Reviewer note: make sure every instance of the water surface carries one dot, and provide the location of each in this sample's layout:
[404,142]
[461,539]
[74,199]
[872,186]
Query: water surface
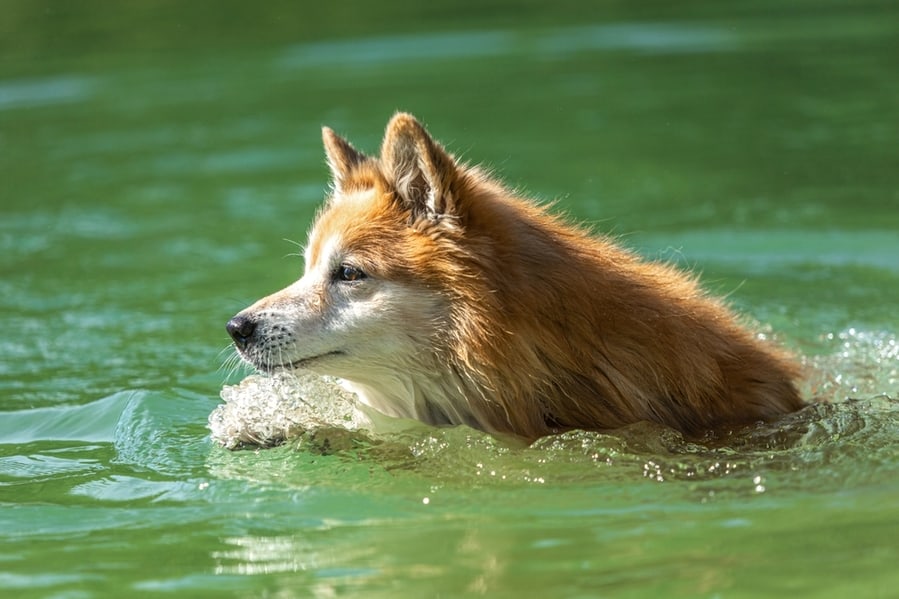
[155,158]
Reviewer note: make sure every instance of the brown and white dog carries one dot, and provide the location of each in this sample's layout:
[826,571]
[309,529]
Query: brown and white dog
[437,294]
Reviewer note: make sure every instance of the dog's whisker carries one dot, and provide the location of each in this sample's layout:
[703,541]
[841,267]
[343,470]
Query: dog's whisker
[235,364]
[226,348]
[300,246]
[226,362]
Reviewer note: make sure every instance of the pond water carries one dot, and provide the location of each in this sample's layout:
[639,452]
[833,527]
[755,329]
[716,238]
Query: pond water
[157,160]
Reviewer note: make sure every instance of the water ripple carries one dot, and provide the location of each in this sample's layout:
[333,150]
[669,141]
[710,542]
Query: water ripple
[93,422]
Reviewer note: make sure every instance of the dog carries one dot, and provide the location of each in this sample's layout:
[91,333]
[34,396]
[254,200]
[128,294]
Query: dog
[435,293]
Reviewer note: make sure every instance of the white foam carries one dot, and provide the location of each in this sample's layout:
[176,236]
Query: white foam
[264,411]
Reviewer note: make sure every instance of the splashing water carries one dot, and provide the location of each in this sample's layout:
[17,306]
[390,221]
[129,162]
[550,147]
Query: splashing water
[860,364]
[265,411]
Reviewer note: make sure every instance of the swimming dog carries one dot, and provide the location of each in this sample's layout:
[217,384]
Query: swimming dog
[436,293]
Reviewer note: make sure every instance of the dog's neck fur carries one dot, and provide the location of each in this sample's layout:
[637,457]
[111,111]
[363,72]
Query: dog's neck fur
[437,397]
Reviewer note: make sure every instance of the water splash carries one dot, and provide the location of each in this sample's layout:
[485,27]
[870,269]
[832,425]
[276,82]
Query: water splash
[265,411]
[857,364]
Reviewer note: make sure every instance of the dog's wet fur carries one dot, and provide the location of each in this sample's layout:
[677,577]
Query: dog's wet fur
[438,294]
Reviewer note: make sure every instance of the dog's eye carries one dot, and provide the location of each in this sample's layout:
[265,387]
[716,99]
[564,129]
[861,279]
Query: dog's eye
[345,272]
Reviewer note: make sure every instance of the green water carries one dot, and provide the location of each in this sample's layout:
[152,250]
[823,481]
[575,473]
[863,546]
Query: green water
[154,158]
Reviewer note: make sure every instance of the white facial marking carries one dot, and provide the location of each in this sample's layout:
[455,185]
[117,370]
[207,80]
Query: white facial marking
[328,258]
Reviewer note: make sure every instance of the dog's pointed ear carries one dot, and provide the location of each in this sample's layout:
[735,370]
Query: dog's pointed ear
[420,170]
[342,157]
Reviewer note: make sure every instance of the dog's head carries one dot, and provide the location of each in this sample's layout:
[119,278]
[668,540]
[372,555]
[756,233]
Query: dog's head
[382,263]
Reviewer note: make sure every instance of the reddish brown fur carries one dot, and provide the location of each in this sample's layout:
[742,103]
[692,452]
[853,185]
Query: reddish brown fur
[550,327]
[507,318]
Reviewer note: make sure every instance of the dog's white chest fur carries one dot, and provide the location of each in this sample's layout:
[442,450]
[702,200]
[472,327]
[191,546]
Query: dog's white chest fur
[435,398]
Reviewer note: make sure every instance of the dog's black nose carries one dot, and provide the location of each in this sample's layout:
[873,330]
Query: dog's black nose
[241,329]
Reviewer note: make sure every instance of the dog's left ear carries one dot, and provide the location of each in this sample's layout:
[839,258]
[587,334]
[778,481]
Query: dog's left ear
[342,157]
[420,170]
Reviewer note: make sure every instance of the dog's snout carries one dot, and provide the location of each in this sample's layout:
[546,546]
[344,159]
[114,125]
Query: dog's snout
[241,329]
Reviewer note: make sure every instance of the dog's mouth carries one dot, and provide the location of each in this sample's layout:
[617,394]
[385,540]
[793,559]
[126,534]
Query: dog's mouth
[296,364]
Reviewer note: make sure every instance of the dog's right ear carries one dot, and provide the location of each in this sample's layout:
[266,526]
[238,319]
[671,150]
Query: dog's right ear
[342,157]
[420,170]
